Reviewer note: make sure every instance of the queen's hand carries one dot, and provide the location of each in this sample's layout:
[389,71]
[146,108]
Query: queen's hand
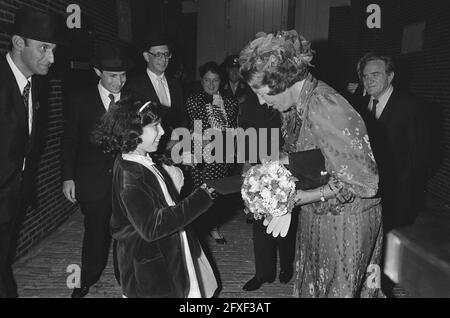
[300,197]
[278,225]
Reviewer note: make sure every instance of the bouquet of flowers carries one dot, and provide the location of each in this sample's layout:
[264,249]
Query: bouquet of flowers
[268,190]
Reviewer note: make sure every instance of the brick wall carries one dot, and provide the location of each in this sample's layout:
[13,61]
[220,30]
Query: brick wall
[425,73]
[52,208]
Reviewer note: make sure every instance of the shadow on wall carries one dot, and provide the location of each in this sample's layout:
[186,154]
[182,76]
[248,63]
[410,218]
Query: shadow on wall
[331,65]
[434,116]
[437,146]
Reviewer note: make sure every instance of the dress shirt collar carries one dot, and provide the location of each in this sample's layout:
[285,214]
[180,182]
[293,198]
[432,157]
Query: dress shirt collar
[382,101]
[154,78]
[104,95]
[234,86]
[20,78]
[138,158]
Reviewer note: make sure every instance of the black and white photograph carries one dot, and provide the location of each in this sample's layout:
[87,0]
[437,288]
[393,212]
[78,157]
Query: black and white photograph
[244,153]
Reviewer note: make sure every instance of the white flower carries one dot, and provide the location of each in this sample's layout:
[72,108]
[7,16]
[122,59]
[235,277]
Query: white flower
[265,193]
[274,204]
[268,190]
[284,183]
[254,185]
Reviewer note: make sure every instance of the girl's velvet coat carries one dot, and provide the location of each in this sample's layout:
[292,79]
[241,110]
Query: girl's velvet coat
[149,248]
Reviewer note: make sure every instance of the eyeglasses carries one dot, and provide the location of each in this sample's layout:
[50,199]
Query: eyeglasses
[160,55]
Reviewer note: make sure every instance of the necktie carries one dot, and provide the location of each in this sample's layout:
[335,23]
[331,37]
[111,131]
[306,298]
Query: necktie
[373,111]
[26,97]
[162,93]
[111,97]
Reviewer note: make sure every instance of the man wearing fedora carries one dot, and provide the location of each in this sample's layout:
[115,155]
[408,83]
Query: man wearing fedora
[86,170]
[155,85]
[33,41]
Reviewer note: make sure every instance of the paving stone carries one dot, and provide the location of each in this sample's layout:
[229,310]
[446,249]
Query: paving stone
[42,272]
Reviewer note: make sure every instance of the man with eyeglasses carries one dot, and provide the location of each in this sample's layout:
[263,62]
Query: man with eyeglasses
[34,36]
[156,86]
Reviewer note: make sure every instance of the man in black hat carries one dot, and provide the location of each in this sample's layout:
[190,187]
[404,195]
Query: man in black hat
[86,170]
[33,37]
[155,85]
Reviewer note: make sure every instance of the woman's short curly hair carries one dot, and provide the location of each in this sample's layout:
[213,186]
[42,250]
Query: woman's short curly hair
[122,125]
[210,66]
[278,60]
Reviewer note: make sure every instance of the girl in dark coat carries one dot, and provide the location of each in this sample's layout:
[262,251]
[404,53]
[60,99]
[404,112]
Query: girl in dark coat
[157,253]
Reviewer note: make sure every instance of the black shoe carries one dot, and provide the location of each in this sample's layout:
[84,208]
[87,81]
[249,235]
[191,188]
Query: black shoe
[220,241]
[80,292]
[285,276]
[254,284]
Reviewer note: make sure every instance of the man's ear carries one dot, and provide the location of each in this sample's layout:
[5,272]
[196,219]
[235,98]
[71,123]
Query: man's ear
[391,77]
[98,72]
[18,42]
[146,56]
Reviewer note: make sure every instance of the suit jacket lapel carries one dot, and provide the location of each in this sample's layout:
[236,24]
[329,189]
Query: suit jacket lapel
[35,105]
[148,86]
[389,108]
[170,86]
[17,99]
[20,107]
[99,109]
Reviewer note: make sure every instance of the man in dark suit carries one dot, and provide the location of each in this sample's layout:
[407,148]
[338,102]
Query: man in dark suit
[86,170]
[265,246]
[234,86]
[34,38]
[399,134]
[154,85]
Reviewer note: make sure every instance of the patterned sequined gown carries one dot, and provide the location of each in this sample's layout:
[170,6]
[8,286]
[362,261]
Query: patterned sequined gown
[338,245]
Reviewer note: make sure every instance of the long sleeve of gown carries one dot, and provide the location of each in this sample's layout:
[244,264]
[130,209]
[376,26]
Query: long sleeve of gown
[342,137]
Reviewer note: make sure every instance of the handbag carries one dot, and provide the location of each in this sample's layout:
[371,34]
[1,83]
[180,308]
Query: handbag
[309,168]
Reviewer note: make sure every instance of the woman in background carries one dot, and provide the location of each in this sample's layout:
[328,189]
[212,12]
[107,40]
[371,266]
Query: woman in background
[217,112]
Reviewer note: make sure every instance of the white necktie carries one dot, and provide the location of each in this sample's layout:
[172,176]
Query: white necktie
[161,91]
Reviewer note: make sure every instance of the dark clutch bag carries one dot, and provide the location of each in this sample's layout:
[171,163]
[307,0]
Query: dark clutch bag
[309,168]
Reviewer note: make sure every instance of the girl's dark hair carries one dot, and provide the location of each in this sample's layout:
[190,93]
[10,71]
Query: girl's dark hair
[121,126]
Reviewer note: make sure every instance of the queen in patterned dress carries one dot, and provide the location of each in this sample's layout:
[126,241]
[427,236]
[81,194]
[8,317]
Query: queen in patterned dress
[340,234]
[219,112]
